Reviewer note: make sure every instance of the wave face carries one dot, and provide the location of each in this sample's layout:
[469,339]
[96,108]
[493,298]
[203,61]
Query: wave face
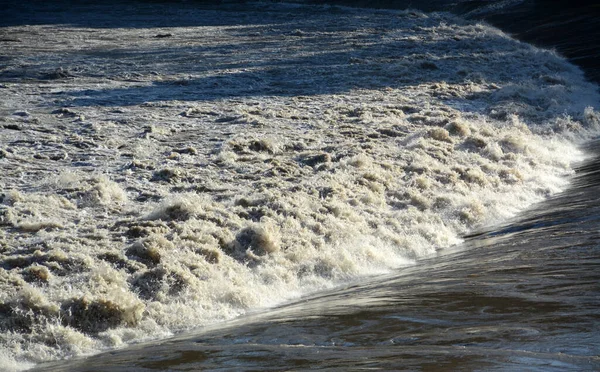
[162,177]
[571,28]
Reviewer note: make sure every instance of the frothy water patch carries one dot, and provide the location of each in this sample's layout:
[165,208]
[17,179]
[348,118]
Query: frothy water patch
[230,168]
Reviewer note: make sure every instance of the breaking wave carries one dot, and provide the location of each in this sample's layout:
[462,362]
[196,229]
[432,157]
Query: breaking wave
[161,179]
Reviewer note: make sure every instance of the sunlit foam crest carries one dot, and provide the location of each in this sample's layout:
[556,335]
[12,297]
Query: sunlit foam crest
[400,135]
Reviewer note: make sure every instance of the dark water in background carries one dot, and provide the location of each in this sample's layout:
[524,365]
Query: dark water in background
[523,297]
[572,28]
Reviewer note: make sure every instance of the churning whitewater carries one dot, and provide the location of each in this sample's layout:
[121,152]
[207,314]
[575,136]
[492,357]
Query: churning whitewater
[157,177]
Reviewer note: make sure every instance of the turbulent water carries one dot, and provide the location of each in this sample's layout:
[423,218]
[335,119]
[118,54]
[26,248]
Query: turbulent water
[521,297]
[168,167]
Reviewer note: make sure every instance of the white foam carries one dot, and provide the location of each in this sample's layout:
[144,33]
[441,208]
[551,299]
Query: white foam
[253,178]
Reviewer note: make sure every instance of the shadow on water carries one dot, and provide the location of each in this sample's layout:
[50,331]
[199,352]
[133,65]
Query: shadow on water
[257,72]
[274,59]
[524,300]
[280,60]
[570,27]
[117,14]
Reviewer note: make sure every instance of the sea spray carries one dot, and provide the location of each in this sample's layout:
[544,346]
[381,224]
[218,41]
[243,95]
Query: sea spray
[248,165]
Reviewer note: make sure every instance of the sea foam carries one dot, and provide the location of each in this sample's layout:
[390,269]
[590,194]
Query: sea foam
[232,168]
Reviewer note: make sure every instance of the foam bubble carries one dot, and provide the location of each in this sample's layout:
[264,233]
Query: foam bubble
[263,183]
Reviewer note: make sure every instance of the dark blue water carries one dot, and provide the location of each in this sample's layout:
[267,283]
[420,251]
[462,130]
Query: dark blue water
[572,28]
